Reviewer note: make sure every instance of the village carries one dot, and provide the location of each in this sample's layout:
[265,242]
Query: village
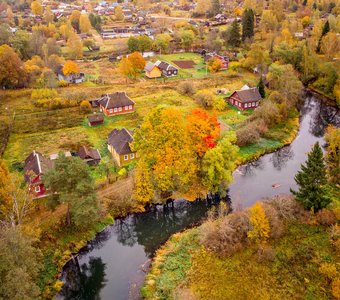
[110,108]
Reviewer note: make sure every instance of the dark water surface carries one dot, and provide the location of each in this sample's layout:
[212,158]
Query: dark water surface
[113,265]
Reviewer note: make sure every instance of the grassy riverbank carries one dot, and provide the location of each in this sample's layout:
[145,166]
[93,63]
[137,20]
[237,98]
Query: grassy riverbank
[300,264]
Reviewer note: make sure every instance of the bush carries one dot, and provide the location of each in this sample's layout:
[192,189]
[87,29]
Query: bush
[205,98]
[44,94]
[186,88]
[85,107]
[251,132]
[268,112]
[325,217]
[219,104]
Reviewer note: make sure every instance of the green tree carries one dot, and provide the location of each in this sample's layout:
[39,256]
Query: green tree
[333,154]
[133,44]
[219,163]
[5,33]
[187,37]
[71,183]
[234,34]
[162,42]
[144,44]
[96,22]
[215,8]
[20,263]
[261,88]
[313,190]
[247,24]
[325,30]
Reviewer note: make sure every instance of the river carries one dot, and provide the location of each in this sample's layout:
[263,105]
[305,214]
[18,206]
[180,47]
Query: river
[113,265]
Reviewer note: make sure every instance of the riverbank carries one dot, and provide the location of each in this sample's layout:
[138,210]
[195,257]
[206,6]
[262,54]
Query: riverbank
[301,262]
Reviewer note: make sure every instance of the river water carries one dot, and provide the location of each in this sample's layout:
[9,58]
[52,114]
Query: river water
[113,265]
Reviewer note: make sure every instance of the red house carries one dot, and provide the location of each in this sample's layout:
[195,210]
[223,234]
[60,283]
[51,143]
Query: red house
[35,166]
[245,98]
[116,104]
[223,58]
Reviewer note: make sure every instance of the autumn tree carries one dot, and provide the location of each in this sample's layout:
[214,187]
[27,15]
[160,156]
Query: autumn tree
[333,153]
[12,73]
[260,229]
[214,65]
[202,7]
[70,182]
[187,37]
[218,164]
[144,189]
[162,143]
[215,8]
[36,8]
[20,263]
[125,68]
[313,190]
[162,42]
[48,15]
[75,46]
[234,34]
[84,23]
[144,44]
[119,13]
[70,68]
[75,19]
[330,45]
[203,130]
[325,30]
[132,66]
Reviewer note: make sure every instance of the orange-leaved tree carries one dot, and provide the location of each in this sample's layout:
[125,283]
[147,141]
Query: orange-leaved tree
[70,68]
[203,130]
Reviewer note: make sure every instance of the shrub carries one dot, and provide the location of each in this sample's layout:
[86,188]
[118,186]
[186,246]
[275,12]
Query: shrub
[205,98]
[251,132]
[336,288]
[62,83]
[326,217]
[186,88]
[219,104]
[268,112]
[328,270]
[85,107]
[275,222]
[44,94]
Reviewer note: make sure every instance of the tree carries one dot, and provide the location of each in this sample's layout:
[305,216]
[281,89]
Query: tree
[218,164]
[215,8]
[330,45]
[20,263]
[214,65]
[137,61]
[70,68]
[84,23]
[133,44]
[260,228]
[126,69]
[70,182]
[187,37]
[336,92]
[119,13]
[261,88]
[12,73]
[247,24]
[132,66]
[234,34]
[48,15]
[96,22]
[325,30]
[5,33]
[203,131]
[258,57]
[144,44]
[313,191]
[74,19]
[144,189]
[202,7]
[36,8]
[333,154]
[75,46]
[162,42]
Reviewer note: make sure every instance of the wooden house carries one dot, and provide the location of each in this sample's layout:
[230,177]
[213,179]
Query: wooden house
[152,71]
[35,166]
[90,156]
[223,58]
[167,69]
[116,104]
[96,119]
[246,98]
[119,141]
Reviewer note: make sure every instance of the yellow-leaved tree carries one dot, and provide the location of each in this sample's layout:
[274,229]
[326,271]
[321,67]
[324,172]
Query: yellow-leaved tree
[36,8]
[260,224]
[70,68]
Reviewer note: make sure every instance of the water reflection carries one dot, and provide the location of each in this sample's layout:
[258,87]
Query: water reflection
[280,158]
[85,281]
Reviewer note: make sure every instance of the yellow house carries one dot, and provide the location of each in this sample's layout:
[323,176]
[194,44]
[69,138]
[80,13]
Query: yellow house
[152,71]
[119,146]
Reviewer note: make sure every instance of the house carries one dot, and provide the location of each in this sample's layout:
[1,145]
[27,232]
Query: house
[56,155]
[223,58]
[152,71]
[90,156]
[245,98]
[96,119]
[72,78]
[167,69]
[35,166]
[116,104]
[119,141]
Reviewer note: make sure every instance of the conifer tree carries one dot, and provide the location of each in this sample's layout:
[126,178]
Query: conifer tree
[248,24]
[325,30]
[234,34]
[260,86]
[313,190]
[215,8]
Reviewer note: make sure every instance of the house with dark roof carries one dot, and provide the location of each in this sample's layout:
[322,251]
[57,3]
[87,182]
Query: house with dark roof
[116,104]
[245,98]
[223,58]
[96,119]
[35,166]
[90,156]
[152,71]
[167,69]
[119,141]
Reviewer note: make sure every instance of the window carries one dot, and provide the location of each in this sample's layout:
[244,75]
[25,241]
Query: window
[110,111]
[126,107]
[115,109]
[130,107]
[246,105]
[132,156]
[253,104]
[126,157]
[37,188]
[256,104]
[119,109]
